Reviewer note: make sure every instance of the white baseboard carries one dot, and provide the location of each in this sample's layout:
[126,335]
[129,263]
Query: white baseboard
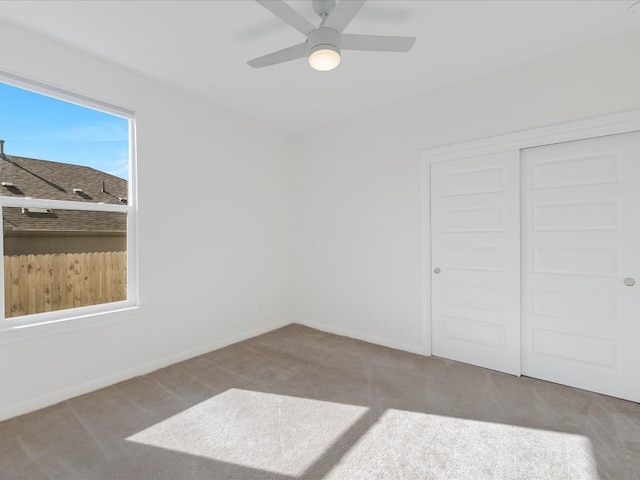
[106,381]
[362,336]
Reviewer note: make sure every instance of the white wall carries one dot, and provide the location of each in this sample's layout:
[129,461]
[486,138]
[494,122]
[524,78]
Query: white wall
[358,180]
[215,248]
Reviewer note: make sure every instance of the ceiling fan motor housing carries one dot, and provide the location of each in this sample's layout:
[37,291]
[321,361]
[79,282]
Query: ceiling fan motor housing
[323,38]
[323,7]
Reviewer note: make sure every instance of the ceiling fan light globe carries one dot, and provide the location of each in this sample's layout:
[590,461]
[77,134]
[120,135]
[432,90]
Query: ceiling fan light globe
[324,58]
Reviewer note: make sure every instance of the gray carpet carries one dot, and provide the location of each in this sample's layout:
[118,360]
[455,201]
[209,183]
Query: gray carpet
[301,404]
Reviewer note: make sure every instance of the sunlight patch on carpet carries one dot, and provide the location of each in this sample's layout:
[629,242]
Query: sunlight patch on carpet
[406,444]
[274,433]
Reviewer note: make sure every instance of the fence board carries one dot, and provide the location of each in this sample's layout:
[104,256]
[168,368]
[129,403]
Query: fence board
[94,279]
[122,278]
[15,281]
[47,281]
[38,280]
[103,278]
[56,287]
[38,283]
[31,284]
[7,292]
[62,276]
[108,286]
[85,269]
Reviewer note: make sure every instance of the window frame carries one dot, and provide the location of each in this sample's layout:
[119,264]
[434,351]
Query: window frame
[46,323]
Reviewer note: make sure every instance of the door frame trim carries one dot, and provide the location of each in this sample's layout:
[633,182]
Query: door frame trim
[612,124]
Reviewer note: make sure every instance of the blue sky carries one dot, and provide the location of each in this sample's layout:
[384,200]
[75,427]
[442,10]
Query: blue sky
[42,127]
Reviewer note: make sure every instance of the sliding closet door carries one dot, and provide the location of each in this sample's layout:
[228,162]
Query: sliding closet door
[581,262]
[475,261]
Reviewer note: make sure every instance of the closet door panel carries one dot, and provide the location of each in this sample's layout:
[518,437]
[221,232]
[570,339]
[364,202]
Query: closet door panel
[475,261]
[581,257]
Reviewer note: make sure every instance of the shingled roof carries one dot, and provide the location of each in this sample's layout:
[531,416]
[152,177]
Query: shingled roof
[35,178]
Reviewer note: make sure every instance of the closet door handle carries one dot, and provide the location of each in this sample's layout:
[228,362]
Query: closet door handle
[436,270]
[629,282]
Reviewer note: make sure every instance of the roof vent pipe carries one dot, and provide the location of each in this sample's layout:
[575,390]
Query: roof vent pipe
[2,155]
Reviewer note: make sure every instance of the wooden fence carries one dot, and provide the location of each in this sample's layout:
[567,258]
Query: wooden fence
[45,283]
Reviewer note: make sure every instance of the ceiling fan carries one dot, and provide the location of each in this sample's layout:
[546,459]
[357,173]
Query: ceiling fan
[324,43]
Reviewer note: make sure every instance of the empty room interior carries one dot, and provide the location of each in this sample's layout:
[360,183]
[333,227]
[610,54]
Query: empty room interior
[318,239]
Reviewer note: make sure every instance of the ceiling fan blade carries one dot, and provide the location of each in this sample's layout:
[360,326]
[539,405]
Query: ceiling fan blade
[377,43]
[343,13]
[281,56]
[282,10]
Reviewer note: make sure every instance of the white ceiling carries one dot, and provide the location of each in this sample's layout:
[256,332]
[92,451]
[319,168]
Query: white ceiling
[202,46]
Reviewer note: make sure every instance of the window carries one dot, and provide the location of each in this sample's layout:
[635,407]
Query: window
[67,196]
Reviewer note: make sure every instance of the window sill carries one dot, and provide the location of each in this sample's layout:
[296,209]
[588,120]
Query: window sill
[24,333]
